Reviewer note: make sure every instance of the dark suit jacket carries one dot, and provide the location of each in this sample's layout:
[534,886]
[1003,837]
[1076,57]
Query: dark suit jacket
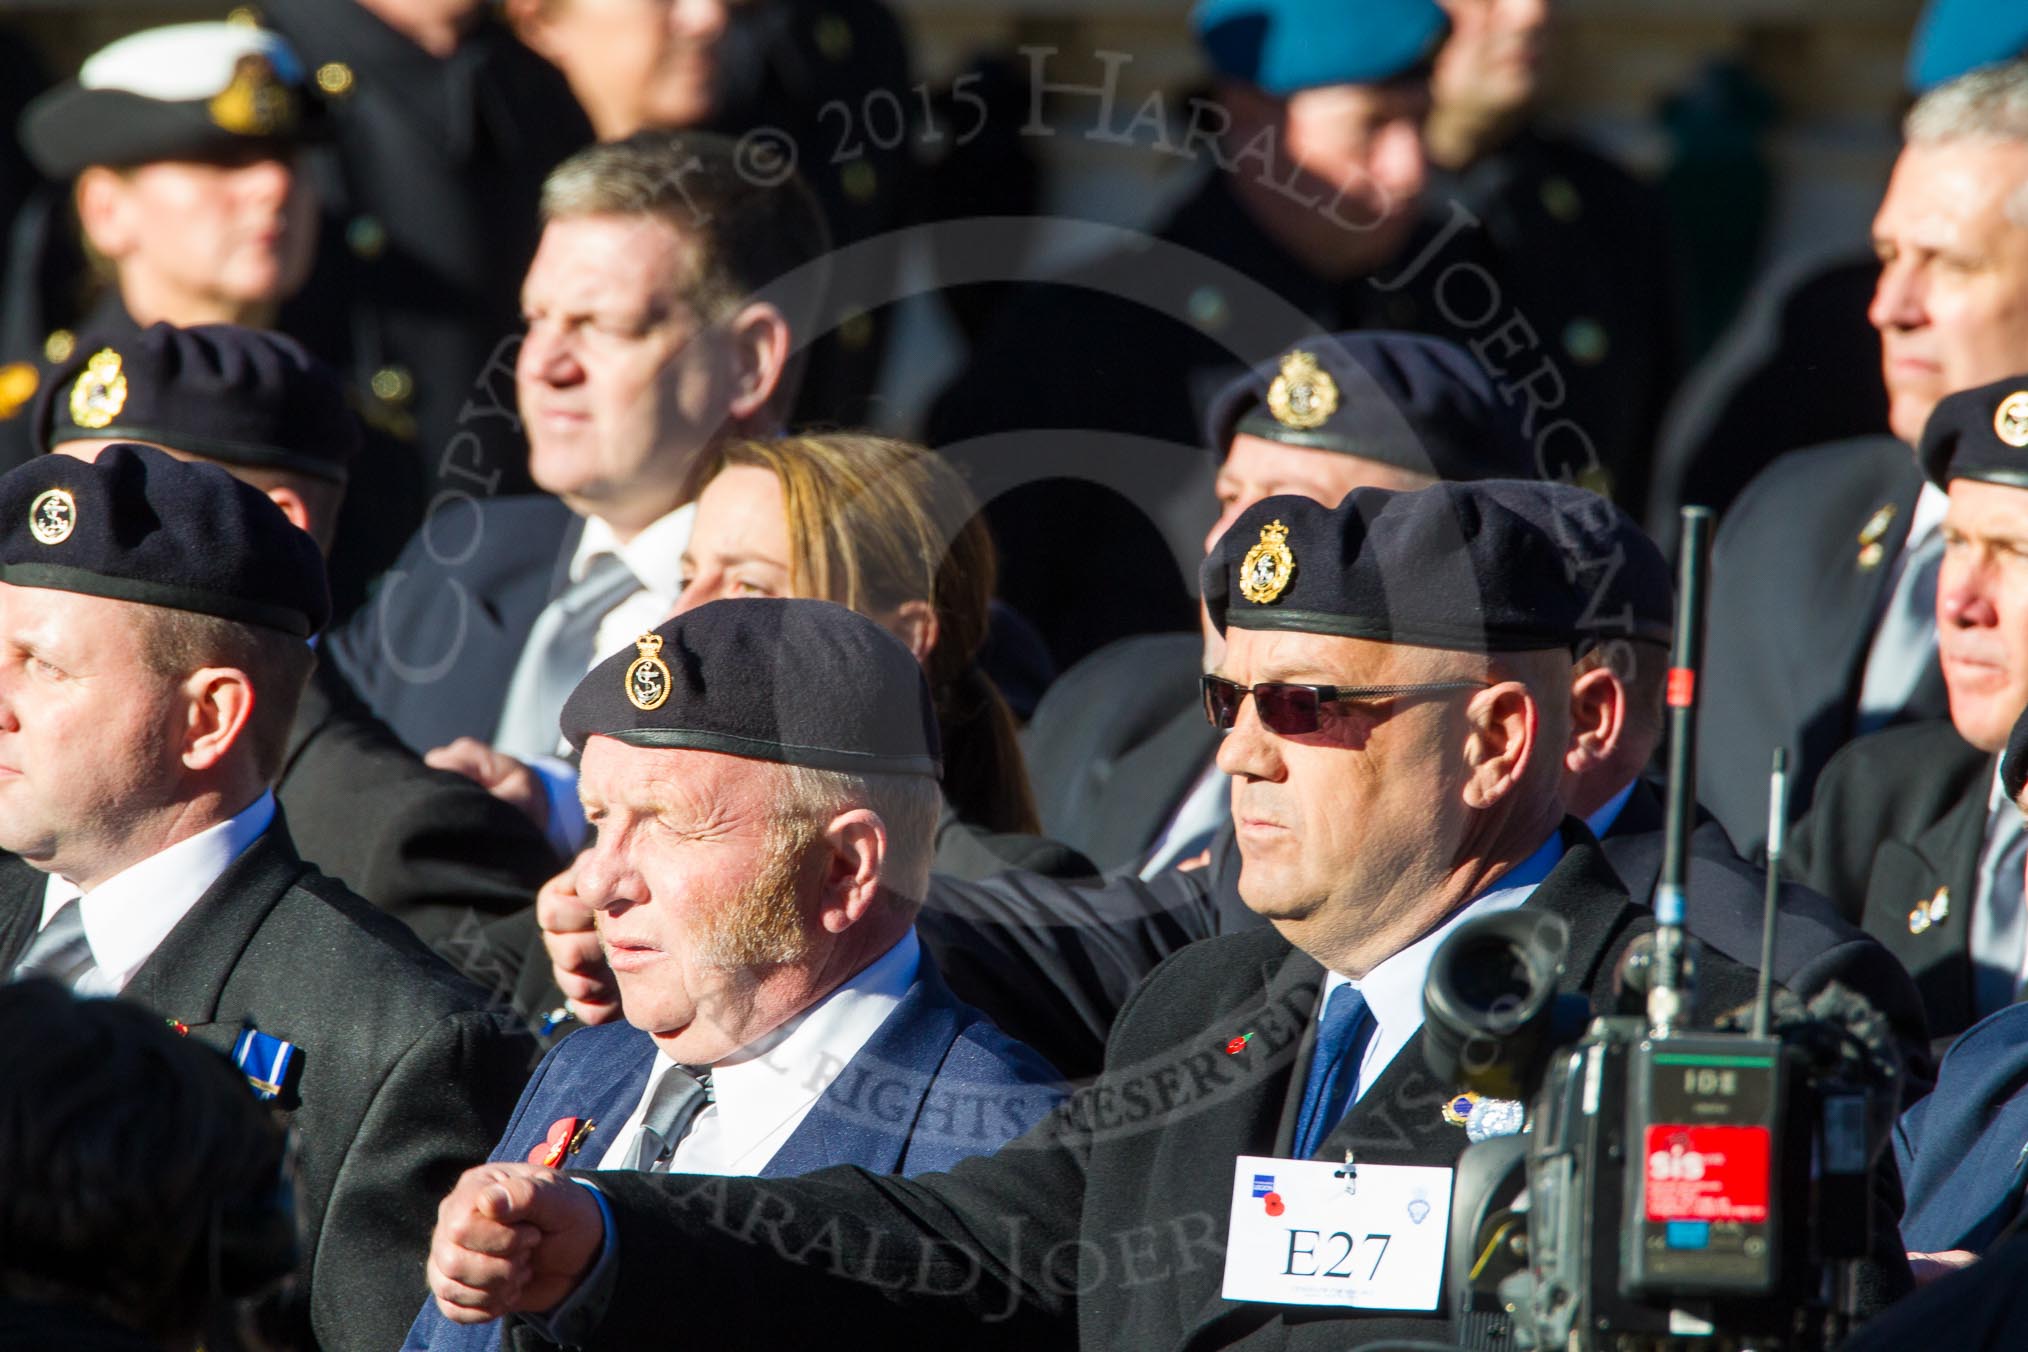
[434,651]
[406,1078]
[429,847]
[1117,743]
[1052,963]
[1136,1168]
[909,1103]
[1960,1149]
[1792,612]
[1899,814]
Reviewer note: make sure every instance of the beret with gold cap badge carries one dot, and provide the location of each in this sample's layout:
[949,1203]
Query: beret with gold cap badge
[1498,565]
[1980,433]
[140,525]
[790,680]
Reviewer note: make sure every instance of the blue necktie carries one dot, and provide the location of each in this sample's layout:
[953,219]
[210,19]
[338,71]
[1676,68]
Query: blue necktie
[1334,1068]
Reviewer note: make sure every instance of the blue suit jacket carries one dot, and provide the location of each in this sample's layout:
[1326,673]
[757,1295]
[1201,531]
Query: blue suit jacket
[433,650]
[1959,1149]
[936,1083]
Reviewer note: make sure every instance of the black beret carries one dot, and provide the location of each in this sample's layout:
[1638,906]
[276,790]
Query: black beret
[1500,565]
[1402,399]
[2014,761]
[796,681]
[140,525]
[186,91]
[1979,433]
[237,395]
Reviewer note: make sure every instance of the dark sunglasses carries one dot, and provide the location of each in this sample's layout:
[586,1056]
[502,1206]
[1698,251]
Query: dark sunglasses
[1291,709]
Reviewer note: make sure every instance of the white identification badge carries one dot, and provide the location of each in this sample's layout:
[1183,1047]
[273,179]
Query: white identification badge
[1309,1232]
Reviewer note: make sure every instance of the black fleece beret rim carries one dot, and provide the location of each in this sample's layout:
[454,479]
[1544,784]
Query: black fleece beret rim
[63,577]
[782,753]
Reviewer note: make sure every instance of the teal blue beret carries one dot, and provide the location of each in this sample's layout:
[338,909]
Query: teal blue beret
[1956,36]
[1283,46]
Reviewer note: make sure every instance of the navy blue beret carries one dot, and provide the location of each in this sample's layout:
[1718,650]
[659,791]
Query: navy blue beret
[140,525]
[1956,36]
[1403,399]
[1284,46]
[796,681]
[2014,761]
[1500,565]
[1980,433]
[241,396]
[185,91]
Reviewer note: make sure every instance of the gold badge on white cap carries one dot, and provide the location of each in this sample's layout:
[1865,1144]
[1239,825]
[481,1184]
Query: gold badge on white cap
[1303,395]
[256,103]
[2010,420]
[52,516]
[1265,571]
[648,680]
[100,391]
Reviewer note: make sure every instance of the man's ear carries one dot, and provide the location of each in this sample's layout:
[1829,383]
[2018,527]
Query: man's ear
[1504,722]
[104,212]
[761,345]
[853,867]
[1598,720]
[220,705]
[293,507]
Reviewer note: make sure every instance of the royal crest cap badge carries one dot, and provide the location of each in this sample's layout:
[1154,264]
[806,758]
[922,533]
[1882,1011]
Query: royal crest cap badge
[647,675]
[52,516]
[1303,395]
[2010,420]
[1265,571]
[99,392]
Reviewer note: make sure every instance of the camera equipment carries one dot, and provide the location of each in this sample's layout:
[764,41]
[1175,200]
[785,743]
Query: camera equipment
[1678,1188]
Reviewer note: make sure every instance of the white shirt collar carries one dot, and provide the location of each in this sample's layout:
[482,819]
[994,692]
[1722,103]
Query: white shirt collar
[1927,516]
[654,557]
[127,916]
[763,1091]
[1393,989]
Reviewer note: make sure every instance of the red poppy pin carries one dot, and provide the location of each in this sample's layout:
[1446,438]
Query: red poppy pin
[566,1138]
[1238,1044]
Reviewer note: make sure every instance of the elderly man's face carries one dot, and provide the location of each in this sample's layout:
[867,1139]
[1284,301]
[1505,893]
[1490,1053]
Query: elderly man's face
[90,738]
[1335,826]
[1952,303]
[620,382]
[695,889]
[1982,610]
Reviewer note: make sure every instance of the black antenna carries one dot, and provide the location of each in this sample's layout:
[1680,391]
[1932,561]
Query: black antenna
[1670,995]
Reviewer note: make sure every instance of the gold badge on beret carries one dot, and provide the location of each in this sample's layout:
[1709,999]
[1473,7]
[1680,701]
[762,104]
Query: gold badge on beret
[256,103]
[1265,571]
[100,391]
[647,677]
[52,516]
[1303,395]
[2010,420]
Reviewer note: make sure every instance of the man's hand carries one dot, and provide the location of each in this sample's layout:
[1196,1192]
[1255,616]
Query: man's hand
[575,958]
[497,773]
[1927,1267]
[511,1238]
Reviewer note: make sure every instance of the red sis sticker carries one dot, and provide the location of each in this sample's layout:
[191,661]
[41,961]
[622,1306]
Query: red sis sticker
[1708,1173]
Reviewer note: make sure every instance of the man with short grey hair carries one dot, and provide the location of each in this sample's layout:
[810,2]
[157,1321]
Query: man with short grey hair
[662,312]
[1824,573]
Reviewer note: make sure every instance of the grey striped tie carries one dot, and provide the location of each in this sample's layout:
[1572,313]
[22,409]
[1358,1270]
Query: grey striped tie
[559,651]
[679,1096]
[61,951]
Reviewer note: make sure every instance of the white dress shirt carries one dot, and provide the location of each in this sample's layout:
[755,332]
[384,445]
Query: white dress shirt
[654,557]
[127,916]
[764,1090]
[1393,989]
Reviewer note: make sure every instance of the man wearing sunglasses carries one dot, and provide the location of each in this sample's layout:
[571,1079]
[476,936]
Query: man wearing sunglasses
[1368,831]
